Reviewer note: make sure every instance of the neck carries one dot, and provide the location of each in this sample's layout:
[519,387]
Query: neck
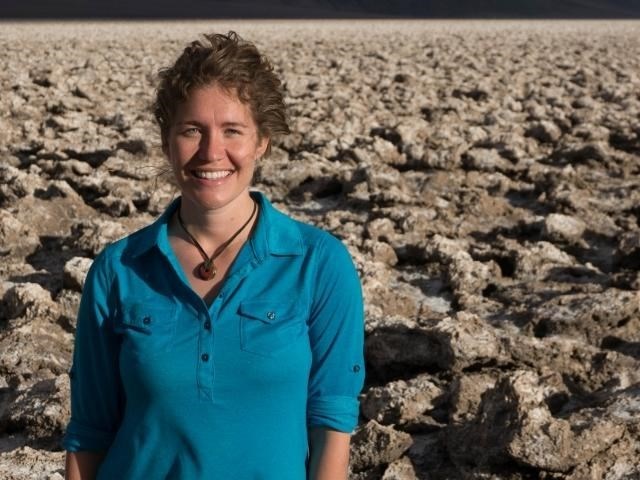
[214,226]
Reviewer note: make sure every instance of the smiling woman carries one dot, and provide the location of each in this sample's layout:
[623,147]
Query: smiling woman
[225,340]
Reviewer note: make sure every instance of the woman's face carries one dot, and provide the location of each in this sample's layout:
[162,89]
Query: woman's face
[212,146]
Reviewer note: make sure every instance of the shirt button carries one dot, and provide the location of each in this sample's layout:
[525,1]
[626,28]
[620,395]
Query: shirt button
[271,315]
[146,320]
[207,325]
[205,357]
[356,368]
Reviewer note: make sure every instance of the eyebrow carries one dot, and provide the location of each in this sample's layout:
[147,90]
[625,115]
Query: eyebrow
[224,124]
[189,122]
[234,124]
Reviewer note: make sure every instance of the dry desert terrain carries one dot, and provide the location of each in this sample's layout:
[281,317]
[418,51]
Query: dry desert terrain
[484,175]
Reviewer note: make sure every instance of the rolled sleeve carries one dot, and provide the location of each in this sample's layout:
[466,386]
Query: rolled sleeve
[96,392]
[80,437]
[336,333]
[337,413]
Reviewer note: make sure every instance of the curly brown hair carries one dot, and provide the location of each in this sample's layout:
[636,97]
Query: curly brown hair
[232,63]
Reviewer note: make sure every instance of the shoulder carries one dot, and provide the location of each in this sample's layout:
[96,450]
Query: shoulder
[115,254]
[141,240]
[125,246]
[314,239]
[323,242]
[328,256]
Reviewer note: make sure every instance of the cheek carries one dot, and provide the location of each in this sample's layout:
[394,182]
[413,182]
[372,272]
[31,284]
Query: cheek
[242,151]
[181,152]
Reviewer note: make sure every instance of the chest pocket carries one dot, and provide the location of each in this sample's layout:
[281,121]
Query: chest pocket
[268,327]
[147,328]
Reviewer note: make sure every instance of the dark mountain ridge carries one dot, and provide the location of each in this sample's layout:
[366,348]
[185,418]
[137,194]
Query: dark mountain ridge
[199,9]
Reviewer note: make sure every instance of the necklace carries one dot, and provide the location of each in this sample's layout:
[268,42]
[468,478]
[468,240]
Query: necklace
[207,269]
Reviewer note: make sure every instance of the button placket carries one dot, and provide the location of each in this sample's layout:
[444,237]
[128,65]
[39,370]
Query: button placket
[205,368]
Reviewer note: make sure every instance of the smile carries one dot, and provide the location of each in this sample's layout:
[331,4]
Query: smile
[212,175]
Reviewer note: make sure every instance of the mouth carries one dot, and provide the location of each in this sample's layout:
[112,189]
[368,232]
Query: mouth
[211,174]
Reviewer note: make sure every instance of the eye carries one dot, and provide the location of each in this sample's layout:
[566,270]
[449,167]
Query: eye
[190,132]
[232,132]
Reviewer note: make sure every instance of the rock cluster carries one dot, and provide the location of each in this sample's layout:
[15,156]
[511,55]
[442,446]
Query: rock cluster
[485,177]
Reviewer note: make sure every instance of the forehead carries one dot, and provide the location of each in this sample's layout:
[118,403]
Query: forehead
[211,101]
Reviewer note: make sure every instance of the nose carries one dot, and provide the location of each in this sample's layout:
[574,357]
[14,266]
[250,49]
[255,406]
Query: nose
[212,147]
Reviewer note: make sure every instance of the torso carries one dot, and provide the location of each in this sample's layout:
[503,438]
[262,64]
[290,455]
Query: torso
[206,383]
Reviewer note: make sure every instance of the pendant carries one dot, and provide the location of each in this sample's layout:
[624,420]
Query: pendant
[207,270]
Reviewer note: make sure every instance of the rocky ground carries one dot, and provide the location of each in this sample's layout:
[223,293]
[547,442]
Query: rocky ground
[485,176]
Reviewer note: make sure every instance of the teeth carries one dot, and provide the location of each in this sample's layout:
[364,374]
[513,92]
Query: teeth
[209,175]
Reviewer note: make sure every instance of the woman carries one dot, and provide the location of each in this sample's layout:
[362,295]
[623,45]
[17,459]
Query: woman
[223,341]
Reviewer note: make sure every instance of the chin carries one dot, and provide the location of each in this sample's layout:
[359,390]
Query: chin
[214,202]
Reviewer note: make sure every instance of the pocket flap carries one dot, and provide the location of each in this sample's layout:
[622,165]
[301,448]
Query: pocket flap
[268,311]
[148,317]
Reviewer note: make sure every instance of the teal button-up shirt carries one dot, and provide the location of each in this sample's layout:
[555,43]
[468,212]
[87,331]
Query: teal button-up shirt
[173,388]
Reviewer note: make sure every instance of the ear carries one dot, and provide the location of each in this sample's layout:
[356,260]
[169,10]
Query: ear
[263,143]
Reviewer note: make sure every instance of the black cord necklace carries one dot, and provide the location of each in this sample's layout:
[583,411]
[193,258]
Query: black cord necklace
[207,269]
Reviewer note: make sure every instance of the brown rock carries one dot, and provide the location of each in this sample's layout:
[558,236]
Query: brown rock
[401,401]
[544,131]
[589,316]
[401,469]
[42,411]
[381,252]
[16,238]
[452,344]
[487,160]
[392,296]
[374,444]
[15,184]
[515,423]
[534,260]
[465,395]
[93,235]
[466,275]
[75,272]
[628,252]
[28,299]
[387,152]
[381,229]
[563,228]
[68,301]
[30,463]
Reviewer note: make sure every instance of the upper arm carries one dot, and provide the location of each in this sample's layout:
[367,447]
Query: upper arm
[336,332]
[96,394]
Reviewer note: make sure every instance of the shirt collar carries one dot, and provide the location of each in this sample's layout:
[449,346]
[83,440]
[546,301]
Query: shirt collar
[274,233]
